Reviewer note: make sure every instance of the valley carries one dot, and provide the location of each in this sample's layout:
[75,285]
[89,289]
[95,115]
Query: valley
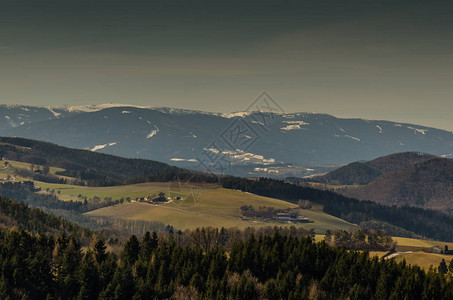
[192,205]
[217,206]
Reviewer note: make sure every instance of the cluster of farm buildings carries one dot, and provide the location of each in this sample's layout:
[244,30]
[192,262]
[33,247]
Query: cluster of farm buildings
[276,215]
[155,199]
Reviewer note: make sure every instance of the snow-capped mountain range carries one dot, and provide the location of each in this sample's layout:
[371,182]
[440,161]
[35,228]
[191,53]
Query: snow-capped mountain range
[243,143]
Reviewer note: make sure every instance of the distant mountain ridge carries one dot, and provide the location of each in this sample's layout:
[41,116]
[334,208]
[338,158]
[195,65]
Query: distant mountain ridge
[288,144]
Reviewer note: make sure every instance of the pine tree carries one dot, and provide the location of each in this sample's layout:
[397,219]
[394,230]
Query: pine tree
[88,278]
[99,248]
[131,250]
[149,244]
[443,267]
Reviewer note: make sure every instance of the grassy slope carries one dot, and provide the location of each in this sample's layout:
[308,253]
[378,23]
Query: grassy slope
[407,242]
[13,165]
[71,192]
[218,207]
[424,260]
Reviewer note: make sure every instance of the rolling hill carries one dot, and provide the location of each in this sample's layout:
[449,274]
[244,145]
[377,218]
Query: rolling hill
[428,184]
[361,173]
[218,207]
[87,166]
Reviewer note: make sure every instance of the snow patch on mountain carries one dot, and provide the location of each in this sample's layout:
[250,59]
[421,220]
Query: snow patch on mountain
[57,115]
[184,159]
[258,122]
[294,125]
[11,122]
[347,136]
[153,133]
[417,130]
[240,114]
[244,157]
[99,147]
[191,135]
[352,137]
[267,170]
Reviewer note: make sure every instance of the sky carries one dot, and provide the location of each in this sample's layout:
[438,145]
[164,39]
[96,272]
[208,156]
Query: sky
[385,60]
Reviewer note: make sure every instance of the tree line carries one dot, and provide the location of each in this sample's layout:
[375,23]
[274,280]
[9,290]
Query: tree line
[423,222]
[26,191]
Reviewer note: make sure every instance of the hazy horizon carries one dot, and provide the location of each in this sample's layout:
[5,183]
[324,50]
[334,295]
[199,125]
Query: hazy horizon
[385,60]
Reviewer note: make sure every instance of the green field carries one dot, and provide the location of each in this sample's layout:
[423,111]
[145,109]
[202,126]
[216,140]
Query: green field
[218,207]
[15,165]
[71,192]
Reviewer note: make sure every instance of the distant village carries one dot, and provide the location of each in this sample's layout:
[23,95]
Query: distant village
[270,213]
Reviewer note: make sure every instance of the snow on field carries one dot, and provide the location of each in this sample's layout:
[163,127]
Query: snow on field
[99,147]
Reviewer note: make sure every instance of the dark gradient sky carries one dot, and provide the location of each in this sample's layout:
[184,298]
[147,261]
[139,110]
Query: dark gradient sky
[374,59]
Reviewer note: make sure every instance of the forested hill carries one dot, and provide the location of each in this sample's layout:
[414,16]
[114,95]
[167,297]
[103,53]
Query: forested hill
[88,166]
[428,184]
[14,214]
[360,173]
[428,223]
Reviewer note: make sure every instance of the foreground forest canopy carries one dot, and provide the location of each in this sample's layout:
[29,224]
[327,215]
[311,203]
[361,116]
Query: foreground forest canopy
[206,264]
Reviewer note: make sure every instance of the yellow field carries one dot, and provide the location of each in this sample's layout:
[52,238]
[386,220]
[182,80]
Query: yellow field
[218,207]
[424,260]
[420,243]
